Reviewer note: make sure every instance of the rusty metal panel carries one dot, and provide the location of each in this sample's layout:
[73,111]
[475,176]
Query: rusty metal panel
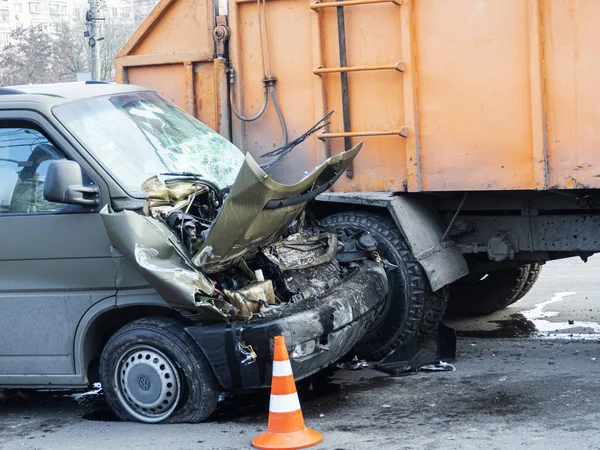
[191,87]
[376,97]
[572,43]
[173,52]
[300,42]
[474,94]
[205,95]
[471,94]
[174,26]
[289,31]
[167,80]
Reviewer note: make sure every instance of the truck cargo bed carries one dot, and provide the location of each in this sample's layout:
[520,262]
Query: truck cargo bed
[447,95]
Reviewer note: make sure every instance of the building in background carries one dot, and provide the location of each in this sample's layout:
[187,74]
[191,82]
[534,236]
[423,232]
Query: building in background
[50,14]
[47,14]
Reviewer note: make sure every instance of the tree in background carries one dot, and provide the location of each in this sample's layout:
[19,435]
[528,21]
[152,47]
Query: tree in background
[28,58]
[35,55]
[115,36]
[43,55]
[71,54]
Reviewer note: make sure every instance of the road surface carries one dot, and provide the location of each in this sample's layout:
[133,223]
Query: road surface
[525,378]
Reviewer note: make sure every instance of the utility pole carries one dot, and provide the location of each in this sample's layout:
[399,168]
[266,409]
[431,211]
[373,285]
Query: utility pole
[93,20]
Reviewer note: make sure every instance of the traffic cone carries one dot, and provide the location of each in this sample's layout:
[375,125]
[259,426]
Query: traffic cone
[286,429]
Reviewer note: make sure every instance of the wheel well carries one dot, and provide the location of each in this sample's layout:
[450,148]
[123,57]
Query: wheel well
[419,222]
[105,325]
[323,209]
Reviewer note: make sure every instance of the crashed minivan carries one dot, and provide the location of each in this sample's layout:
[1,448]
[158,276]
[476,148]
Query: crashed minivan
[143,250]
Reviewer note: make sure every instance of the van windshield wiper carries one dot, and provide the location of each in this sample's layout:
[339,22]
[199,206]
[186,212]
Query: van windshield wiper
[183,174]
[281,152]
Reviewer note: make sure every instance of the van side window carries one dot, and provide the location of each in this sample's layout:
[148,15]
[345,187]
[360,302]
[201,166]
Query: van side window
[25,155]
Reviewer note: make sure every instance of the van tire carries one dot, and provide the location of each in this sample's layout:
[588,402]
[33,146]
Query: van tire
[403,313]
[157,350]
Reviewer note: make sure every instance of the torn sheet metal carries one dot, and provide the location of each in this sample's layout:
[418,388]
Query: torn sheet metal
[175,196]
[155,251]
[244,223]
[301,251]
[252,299]
[210,309]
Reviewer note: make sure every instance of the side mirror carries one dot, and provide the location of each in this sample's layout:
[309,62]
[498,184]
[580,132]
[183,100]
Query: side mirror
[64,184]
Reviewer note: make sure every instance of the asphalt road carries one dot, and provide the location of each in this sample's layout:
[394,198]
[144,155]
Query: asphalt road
[525,378]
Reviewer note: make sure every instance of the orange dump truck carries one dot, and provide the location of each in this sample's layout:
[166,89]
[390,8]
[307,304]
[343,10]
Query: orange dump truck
[480,121]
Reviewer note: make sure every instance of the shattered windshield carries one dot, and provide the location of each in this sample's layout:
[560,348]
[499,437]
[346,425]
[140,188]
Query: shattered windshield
[139,135]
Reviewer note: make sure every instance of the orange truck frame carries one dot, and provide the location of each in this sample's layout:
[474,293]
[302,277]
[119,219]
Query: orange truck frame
[480,121]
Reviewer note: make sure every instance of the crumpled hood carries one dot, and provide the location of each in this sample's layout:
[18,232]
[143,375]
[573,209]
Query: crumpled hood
[258,210]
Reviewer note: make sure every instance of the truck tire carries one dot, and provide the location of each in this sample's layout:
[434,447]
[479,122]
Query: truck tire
[402,314]
[435,308]
[534,273]
[152,371]
[480,294]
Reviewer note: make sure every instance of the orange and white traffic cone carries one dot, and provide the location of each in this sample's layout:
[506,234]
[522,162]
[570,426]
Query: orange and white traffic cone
[286,428]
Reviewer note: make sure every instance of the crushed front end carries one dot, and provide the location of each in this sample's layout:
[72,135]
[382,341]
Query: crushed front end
[247,263]
[319,331]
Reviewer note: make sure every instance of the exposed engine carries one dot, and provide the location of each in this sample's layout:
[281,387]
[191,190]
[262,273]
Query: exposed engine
[305,262]
[188,207]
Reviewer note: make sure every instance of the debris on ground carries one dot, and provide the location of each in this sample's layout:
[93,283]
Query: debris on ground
[355,364]
[414,355]
[11,394]
[441,366]
[91,398]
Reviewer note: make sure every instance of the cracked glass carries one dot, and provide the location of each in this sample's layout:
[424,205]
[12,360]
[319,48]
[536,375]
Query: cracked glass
[139,135]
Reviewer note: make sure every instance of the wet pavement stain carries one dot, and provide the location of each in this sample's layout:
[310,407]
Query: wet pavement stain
[501,403]
[322,394]
[101,415]
[517,326]
[318,389]
[241,407]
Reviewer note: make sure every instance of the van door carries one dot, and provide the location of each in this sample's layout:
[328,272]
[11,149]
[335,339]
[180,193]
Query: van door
[55,260]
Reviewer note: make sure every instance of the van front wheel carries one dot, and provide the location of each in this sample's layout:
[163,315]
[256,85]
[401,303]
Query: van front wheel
[152,371]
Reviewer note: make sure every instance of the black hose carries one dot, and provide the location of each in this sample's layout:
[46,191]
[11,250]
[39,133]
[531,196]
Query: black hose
[234,109]
[284,138]
[269,88]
